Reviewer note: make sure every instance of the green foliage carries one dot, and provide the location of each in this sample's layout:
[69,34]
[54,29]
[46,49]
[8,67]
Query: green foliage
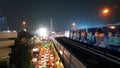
[39,43]
[22,55]
[32,66]
[51,45]
[24,34]
[12,66]
[3,64]
[54,51]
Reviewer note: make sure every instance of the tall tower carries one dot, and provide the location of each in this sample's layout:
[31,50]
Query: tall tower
[51,27]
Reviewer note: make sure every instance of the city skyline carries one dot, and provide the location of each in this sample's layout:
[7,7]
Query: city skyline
[85,13]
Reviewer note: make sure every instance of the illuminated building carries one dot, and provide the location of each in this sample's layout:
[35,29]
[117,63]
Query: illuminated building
[3,23]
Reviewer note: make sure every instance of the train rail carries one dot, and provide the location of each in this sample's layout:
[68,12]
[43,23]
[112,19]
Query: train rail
[91,56]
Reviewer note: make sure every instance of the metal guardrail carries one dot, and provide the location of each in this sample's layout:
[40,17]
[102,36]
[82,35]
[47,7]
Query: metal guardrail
[97,52]
[67,58]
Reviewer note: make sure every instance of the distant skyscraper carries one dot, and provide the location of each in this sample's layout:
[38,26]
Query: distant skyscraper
[3,22]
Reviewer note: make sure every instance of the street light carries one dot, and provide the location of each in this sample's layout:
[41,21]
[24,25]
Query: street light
[24,24]
[73,25]
[106,11]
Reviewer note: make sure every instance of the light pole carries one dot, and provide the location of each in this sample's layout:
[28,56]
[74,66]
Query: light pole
[106,12]
[24,25]
[73,25]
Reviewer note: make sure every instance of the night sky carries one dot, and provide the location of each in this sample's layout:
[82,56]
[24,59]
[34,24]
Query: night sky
[37,13]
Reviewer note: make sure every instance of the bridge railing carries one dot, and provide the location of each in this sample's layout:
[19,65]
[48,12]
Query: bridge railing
[69,61]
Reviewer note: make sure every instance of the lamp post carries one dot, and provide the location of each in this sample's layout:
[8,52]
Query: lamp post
[24,25]
[73,25]
[105,12]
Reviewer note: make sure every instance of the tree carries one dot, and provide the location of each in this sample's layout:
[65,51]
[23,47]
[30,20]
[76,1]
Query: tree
[24,34]
[21,55]
[3,64]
